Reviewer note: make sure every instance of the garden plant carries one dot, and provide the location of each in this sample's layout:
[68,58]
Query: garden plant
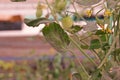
[98,41]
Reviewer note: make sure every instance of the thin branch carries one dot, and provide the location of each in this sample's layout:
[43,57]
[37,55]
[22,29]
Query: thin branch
[109,52]
[83,51]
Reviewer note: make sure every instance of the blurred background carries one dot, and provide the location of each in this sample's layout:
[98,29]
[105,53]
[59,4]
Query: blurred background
[17,40]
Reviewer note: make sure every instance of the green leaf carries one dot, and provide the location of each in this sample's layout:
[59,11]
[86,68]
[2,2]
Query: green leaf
[75,29]
[96,75]
[56,36]
[56,73]
[100,32]
[103,38]
[84,46]
[105,46]
[94,44]
[117,51]
[17,0]
[36,22]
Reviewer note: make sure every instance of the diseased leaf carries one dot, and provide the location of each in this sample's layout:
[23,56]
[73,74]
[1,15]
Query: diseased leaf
[56,36]
[36,22]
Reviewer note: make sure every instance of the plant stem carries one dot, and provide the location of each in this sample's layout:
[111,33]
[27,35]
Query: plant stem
[52,11]
[93,51]
[96,55]
[109,52]
[80,63]
[118,24]
[82,51]
[86,37]
[77,11]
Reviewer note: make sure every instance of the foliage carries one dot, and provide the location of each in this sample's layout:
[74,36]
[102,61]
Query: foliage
[56,36]
[44,68]
[64,35]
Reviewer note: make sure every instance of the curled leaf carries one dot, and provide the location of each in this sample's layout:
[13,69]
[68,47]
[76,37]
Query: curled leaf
[36,22]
